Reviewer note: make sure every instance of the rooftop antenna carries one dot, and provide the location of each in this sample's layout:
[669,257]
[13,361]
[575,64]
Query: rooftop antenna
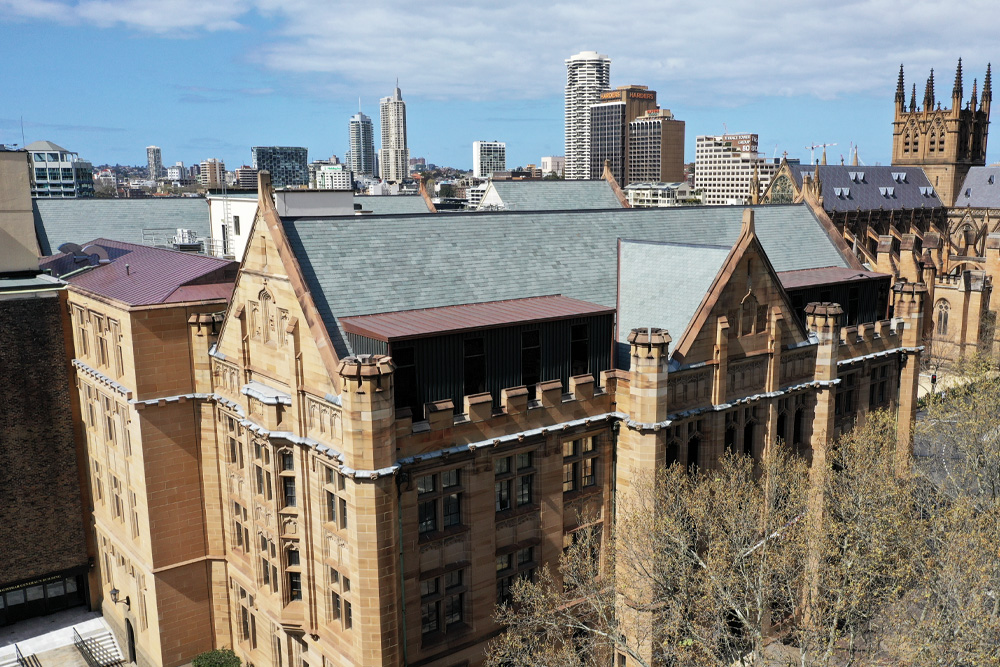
[22,132]
[812,150]
[359,104]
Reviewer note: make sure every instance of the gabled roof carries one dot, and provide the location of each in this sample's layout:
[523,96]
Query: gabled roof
[981,188]
[392,204]
[59,221]
[662,284]
[848,188]
[408,324]
[555,195]
[45,146]
[364,265]
[139,275]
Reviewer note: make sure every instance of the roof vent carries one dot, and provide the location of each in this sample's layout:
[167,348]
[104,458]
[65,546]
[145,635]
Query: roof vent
[85,253]
[990,179]
[968,192]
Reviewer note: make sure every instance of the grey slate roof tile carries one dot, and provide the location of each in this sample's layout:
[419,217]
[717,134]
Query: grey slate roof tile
[392,204]
[868,194]
[372,264]
[981,188]
[556,195]
[59,221]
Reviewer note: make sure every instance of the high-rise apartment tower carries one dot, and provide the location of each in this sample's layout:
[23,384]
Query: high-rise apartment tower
[394,156]
[155,161]
[488,157]
[288,164]
[587,75]
[362,153]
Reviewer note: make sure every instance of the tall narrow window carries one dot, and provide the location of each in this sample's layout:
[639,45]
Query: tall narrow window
[579,349]
[531,360]
[942,309]
[407,392]
[474,365]
[289,488]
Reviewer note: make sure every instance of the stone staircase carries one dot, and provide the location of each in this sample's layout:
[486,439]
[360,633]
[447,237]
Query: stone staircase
[99,648]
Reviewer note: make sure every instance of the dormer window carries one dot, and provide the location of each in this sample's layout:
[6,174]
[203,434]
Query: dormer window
[887,192]
[899,176]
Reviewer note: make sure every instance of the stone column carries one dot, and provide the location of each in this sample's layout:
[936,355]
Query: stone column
[369,444]
[641,454]
[909,298]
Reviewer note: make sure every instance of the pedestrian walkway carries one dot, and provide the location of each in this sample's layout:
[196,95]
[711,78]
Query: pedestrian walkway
[50,638]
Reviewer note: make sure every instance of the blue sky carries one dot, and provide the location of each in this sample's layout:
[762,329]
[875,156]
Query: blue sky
[210,79]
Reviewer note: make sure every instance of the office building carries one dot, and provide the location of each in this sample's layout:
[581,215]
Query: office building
[334,177]
[553,165]
[610,128]
[652,195]
[656,148]
[154,161]
[361,156]
[177,172]
[287,164]
[212,173]
[588,74]
[246,177]
[59,173]
[394,156]
[488,157]
[725,166]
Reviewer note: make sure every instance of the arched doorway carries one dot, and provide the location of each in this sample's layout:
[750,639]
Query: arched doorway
[130,637]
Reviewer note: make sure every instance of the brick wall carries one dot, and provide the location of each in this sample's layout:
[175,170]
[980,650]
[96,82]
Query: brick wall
[41,519]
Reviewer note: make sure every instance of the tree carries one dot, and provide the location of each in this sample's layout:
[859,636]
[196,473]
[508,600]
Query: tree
[220,657]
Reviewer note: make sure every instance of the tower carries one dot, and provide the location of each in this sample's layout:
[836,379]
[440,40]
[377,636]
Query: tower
[155,162]
[946,143]
[362,153]
[394,156]
[587,75]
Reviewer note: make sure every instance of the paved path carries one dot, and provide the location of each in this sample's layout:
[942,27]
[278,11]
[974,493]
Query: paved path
[50,637]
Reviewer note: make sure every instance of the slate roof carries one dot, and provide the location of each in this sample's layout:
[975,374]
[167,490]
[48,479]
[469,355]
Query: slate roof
[556,195]
[408,324]
[365,265]
[826,275]
[662,284]
[153,275]
[865,190]
[59,221]
[981,188]
[392,204]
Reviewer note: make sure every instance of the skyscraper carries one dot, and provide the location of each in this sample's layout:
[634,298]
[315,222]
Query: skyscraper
[610,120]
[288,164]
[362,153]
[587,75]
[488,157]
[394,156]
[656,148]
[212,173]
[155,161]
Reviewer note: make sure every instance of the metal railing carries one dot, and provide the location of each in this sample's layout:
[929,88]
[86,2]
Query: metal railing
[95,653]
[21,660]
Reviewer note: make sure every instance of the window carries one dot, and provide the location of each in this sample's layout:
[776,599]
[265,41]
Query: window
[248,623]
[288,485]
[694,443]
[439,501]
[474,365]
[82,338]
[294,586]
[942,309]
[531,360]
[515,481]
[878,388]
[98,482]
[118,508]
[407,390]
[241,528]
[235,444]
[287,461]
[236,224]
[513,565]
[336,503]
[442,603]
[579,349]
[579,464]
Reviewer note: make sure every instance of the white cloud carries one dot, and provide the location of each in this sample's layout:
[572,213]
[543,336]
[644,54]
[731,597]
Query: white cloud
[716,53]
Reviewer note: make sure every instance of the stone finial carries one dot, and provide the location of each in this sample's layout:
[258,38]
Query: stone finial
[265,191]
[747,226]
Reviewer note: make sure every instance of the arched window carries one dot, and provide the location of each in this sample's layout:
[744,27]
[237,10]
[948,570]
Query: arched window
[748,315]
[941,308]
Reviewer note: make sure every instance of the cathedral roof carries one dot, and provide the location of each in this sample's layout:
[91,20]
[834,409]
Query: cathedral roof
[849,188]
[981,188]
[378,264]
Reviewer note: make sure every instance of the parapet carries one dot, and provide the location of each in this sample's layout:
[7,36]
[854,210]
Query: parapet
[365,369]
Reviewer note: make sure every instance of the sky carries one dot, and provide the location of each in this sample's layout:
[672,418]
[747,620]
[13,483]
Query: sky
[211,78]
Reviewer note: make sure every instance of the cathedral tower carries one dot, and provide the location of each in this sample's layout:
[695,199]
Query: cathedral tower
[944,142]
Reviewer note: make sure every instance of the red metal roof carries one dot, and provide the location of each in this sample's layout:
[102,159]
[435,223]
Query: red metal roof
[139,275]
[449,319]
[826,275]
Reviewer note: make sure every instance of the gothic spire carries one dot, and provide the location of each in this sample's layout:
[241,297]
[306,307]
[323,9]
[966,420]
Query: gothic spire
[900,91]
[913,99]
[854,160]
[974,101]
[987,88]
[929,93]
[956,92]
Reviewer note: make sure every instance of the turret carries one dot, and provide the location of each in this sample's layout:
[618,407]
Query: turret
[900,93]
[368,411]
[956,91]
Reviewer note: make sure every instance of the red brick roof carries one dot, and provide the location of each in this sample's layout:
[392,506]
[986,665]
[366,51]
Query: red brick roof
[826,275]
[139,275]
[449,319]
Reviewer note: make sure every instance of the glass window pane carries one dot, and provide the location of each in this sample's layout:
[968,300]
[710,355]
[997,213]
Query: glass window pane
[425,484]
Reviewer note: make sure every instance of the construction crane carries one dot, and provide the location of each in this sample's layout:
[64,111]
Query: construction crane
[812,151]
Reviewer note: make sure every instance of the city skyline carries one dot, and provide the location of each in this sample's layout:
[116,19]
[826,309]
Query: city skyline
[792,94]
